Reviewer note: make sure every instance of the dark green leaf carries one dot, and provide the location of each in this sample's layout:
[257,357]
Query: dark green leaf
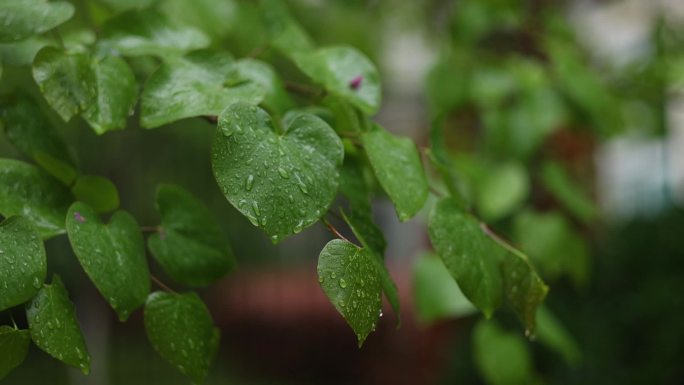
[195,85]
[117,92]
[397,165]
[27,191]
[23,266]
[190,245]
[347,118]
[66,81]
[525,291]
[471,257]
[568,192]
[366,231]
[284,32]
[502,189]
[20,19]
[14,345]
[113,256]
[282,183]
[54,328]
[181,330]
[262,74]
[96,191]
[353,184]
[553,334]
[501,357]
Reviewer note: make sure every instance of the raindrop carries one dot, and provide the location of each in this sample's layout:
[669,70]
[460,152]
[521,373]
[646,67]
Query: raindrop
[249,183]
[255,208]
[283,173]
[343,283]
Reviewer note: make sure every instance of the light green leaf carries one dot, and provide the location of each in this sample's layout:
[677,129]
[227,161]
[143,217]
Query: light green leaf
[552,333]
[285,33]
[23,266]
[525,291]
[568,192]
[21,53]
[351,280]
[66,81]
[30,131]
[216,18]
[181,330]
[282,182]
[54,328]
[436,293]
[190,245]
[397,165]
[113,256]
[27,191]
[20,19]
[195,85]
[117,92]
[346,72]
[14,345]
[262,74]
[96,191]
[501,357]
[140,33]
[502,189]
[471,257]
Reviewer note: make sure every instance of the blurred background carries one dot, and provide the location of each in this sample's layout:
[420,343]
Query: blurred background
[564,121]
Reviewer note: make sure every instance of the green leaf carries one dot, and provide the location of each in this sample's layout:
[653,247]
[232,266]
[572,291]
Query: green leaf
[54,328]
[189,245]
[194,85]
[285,33]
[282,183]
[21,53]
[96,191]
[553,334]
[436,293]
[23,266]
[471,257]
[66,81]
[502,189]
[113,256]
[262,74]
[525,291]
[365,230]
[346,72]
[117,92]
[353,184]
[351,280]
[501,357]
[147,32]
[397,165]
[181,330]
[14,345]
[27,191]
[216,18]
[30,131]
[346,117]
[20,19]
[571,195]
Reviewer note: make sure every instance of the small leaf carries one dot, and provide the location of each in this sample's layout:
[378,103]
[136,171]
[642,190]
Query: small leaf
[194,85]
[554,335]
[14,345]
[346,72]
[54,328]
[181,330]
[23,266]
[27,191]
[561,185]
[96,191]
[524,289]
[284,32]
[282,183]
[20,19]
[501,190]
[501,357]
[399,170]
[471,257]
[113,256]
[66,81]
[117,92]
[190,245]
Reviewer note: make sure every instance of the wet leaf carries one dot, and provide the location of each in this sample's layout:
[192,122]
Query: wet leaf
[117,92]
[20,19]
[96,191]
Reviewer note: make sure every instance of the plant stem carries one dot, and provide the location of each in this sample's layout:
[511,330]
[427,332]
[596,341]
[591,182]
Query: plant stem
[502,242]
[162,285]
[334,231]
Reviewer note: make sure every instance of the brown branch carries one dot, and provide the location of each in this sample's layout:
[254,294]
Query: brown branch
[162,285]
[334,231]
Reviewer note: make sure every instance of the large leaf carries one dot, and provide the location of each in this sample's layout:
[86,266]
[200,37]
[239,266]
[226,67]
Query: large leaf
[181,330]
[471,257]
[66,80]
[27,127]
[140,33]
[346,72]
[23,266]
[14,345]
[117,92]
[113,256]
[282,182]
[27,191]
[96,191]
[54,328]
[194,85]
[501,357]
[190,245]
[20,19]
[397,165]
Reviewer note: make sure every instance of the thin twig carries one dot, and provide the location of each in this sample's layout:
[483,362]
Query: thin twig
[162,285]
[149,229]
[334,231]
[498,239]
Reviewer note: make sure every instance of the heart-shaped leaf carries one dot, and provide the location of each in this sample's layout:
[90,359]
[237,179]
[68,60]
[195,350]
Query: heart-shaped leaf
[25,190]
[20,19]
[96,191]
[190,245]
[117,92]
[181,330]
[54,328]
[23,266]
[282,183]
[14,345]
[194,85]
[113,256]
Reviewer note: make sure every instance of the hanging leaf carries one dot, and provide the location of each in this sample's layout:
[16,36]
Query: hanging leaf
[117,92]
[181,330]
[20,19]
[96,191]
[366,231]
[54,328]
[14,345]
[525,291]
[501,357]
[23,266]
[113,256]
[189,245]
[282,182]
